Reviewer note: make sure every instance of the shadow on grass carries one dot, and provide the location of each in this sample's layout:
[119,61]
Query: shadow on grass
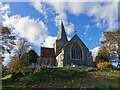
[54,75]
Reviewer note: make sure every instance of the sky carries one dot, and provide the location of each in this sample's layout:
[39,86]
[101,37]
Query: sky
[38,22]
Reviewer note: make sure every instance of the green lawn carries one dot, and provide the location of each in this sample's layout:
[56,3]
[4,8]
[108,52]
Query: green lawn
[69,77]
[6,77]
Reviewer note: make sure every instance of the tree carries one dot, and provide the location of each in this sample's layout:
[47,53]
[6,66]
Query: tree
[21,48]
[7,42]
[3,69]
[18,49]
[13,66]
[28,58]
[25,61]
[111,40]
[22,65]
[32,56]
[11,45]
[103,55]
[111,44]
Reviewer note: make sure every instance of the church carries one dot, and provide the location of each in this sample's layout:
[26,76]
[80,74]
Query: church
[66,53]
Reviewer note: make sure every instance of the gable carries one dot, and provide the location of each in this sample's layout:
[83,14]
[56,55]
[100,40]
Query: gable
[76,39]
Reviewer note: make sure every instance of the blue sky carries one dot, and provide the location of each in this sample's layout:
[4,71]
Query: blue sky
[88,19]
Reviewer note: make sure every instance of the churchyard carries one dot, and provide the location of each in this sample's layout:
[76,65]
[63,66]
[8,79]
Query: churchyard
[65,77]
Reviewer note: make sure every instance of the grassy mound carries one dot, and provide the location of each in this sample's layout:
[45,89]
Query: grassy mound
[69,77]
[54,75]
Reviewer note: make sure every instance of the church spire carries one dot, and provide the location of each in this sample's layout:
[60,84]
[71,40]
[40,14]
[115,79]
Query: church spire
[62,34]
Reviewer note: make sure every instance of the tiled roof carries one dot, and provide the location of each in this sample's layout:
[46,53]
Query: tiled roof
[47,52]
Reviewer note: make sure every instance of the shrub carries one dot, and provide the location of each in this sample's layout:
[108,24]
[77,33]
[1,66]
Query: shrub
[104,65]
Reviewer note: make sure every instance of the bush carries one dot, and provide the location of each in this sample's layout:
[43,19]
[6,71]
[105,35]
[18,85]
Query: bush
[104,65]
[101,58]
[98,59]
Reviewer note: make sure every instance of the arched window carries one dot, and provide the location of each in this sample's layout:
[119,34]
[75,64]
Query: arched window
[76,52]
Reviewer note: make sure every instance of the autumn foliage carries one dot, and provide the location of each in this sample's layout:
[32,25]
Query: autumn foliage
[104,65]
[14,65]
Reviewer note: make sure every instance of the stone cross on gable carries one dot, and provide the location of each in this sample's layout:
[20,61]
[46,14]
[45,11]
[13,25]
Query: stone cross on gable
[75,32]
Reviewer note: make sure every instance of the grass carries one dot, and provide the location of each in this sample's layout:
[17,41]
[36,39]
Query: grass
[53,75]
[69,77]
[6,77]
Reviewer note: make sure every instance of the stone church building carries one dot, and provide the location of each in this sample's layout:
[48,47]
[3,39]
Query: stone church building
[64,52]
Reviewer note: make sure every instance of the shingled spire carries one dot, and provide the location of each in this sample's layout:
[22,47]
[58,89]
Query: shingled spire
[62,34]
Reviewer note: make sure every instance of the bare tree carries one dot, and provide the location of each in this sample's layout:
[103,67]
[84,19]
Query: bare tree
[6,42]
[21,48]
[11,45]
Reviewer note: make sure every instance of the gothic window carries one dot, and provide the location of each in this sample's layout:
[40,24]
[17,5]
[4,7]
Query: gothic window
[76,52]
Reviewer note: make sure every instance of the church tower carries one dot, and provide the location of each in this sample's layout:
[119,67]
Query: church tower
[61,39]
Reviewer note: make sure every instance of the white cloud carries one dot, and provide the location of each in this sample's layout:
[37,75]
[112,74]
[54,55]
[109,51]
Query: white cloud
[107,11]
[4,9]
[60,12]
[76,8]
[28,28]
[69,28]
[87,26]
[90,39]
[60,8]
[86,29]
[49,41]
[95,52]
[85,33]
[33,31]
[61,16]
[102,37]
[38,5]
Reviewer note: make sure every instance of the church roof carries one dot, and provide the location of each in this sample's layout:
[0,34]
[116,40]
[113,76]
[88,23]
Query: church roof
[79,39]
[47,52]
[62,34]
